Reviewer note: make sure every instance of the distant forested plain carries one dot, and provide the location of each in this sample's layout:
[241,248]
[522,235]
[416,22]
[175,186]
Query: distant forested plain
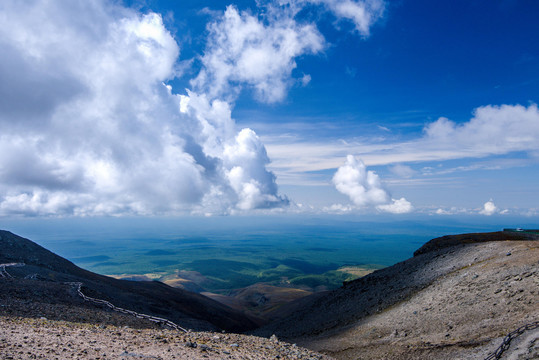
[219,255]
[222,264]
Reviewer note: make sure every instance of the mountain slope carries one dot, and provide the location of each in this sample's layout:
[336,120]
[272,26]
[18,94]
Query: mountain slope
[259,299]
[454,299]
[187,309]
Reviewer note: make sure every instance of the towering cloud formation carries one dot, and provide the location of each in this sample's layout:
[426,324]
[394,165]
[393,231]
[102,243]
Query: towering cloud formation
[365,188]
[88,126]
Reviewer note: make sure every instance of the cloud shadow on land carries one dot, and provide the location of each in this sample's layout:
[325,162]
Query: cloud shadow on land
[307,267]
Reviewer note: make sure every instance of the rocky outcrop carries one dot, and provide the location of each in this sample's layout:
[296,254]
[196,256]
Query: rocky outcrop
[461,239]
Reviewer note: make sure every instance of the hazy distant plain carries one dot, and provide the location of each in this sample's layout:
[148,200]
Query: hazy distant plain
[234,252]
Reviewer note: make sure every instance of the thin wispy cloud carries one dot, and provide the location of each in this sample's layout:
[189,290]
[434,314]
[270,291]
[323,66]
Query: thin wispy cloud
[403,171]
[494,130]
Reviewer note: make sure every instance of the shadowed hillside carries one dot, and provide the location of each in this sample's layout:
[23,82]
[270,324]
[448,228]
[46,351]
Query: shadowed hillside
[47,274]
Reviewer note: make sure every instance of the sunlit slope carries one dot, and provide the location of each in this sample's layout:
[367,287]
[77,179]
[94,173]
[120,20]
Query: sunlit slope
[455,301]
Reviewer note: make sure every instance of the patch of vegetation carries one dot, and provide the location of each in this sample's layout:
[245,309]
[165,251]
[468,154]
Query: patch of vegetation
[89,259]
[277,273]
[330,279]
[308,267]
[226,262]
[217,267]
[159,252]
[164,262]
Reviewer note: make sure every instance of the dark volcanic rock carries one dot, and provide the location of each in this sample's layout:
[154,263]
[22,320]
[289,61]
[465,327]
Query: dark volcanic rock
[187,309]
[461,239]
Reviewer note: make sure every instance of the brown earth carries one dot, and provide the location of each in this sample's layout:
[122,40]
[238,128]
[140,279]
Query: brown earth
[82,330]
[43,317]
[356,271]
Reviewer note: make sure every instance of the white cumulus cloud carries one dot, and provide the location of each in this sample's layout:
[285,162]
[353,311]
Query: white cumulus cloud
[258,50]
[245,161]
[362,13]
[493,130]
[89,128]
[397,206]
[89,125]
[489,208]
[243,49]
[365,189]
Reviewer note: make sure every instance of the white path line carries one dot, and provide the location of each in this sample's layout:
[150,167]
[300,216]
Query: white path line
[5,274]
[125,311]
[3,271]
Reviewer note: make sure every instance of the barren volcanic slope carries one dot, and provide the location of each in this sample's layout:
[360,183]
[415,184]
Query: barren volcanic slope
[23,338]
[456,299]
[43,317]
[189,310]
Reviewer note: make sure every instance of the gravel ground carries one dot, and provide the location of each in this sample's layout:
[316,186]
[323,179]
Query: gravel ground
[485,292]
[455,303]
[30,338]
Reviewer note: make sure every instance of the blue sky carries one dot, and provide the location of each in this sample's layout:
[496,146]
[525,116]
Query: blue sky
[360,107]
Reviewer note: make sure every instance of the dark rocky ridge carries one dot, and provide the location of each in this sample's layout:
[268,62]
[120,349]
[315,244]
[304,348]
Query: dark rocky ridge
[189,310]
[472,238]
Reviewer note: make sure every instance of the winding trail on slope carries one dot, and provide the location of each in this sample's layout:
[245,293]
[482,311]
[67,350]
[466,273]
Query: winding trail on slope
[3,271]
[78,285]
[125,311]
